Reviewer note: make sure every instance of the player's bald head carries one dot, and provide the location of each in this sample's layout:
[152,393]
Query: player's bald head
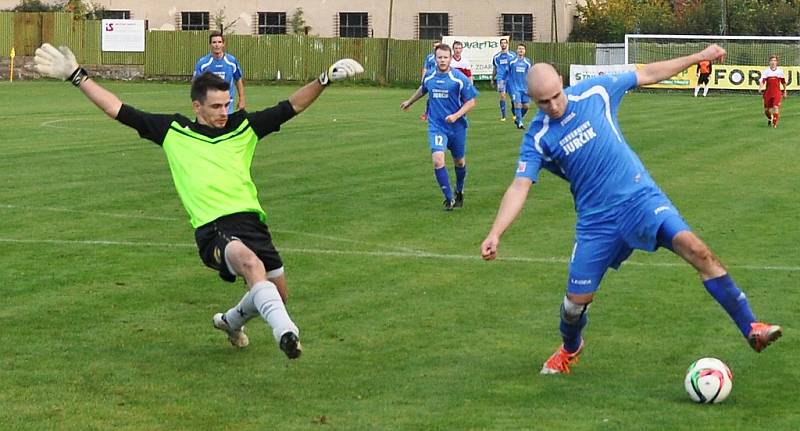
[546,89]
[543,81]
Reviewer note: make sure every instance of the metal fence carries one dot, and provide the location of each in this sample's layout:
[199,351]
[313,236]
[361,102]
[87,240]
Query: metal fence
[263,57]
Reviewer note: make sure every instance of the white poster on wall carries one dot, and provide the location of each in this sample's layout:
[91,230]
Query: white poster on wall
[122,35]
[479,52]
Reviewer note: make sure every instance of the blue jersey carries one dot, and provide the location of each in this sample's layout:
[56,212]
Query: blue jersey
[226,68]
[586,147]
[447,92]
[518,74]
[500,62]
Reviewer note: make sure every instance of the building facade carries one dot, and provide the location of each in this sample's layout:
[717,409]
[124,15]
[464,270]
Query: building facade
[523,20]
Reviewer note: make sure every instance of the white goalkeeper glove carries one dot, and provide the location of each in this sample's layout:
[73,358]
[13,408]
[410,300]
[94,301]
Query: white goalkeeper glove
[59,63]
[342,69]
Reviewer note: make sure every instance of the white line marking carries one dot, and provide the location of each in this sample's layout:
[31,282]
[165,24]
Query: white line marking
[415,255]
[146,217]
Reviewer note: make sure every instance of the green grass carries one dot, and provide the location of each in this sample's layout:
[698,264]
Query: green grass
[107,308]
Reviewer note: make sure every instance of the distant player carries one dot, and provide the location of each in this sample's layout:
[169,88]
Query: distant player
[428,65]
[518,85]
[459,62]
[450,96]
[210,161]
[620,208]
[500,63]
[223,65]
[703,71]
[773,85]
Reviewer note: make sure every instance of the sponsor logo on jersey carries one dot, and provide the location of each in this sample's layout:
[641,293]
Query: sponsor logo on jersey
[521,166]
[439,94]
[577,138]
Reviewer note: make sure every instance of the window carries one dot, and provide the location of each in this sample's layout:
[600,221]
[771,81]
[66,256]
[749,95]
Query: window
[433,25]
[116,14]
[194,20]
[353,24]
[272,23]
[519,26]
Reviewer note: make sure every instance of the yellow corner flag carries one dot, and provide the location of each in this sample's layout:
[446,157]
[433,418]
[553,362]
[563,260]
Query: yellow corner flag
[11,75]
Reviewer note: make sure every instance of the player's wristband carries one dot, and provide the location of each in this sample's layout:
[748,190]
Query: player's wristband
[78,76]
[323,79]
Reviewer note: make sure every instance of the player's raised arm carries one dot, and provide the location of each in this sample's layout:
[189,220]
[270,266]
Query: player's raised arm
[305,96]
[61,64]
[510,207]
[655,72]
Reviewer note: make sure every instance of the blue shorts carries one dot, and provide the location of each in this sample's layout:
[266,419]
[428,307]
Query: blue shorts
[501,85]
[454,140]
[519,97]
[601,242]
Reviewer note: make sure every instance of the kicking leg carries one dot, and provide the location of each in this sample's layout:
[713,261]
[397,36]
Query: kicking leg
[721,286]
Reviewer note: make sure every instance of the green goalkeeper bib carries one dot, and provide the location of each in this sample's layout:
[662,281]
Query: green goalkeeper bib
[212,175]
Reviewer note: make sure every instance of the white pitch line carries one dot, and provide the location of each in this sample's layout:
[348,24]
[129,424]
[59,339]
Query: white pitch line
[415,255]
[146,217]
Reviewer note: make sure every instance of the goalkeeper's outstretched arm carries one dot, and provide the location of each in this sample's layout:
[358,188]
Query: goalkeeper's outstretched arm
[104,99]
[61,64]
[305,96]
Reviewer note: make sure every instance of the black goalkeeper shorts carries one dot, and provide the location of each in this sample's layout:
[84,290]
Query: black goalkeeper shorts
[212,238]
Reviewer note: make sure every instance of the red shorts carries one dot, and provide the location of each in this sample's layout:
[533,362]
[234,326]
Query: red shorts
[772,99]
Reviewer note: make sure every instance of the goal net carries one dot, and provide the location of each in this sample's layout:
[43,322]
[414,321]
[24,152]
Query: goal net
[741,50]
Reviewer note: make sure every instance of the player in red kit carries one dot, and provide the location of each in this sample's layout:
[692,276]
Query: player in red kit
[773,84]
[459,62]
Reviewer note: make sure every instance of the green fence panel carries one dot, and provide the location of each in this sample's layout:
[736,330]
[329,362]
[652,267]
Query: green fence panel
[173,53]
[68,31]
[27,32]
[405,60]
[6,33]
[561,55]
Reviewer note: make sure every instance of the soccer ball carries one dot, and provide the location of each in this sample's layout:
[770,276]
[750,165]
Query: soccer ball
[708,380]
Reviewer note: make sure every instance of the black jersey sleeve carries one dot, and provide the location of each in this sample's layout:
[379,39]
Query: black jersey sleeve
[269,120]
[153,127]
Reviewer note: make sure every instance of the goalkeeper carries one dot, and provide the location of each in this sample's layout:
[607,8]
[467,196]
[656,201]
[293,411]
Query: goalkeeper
[210,162]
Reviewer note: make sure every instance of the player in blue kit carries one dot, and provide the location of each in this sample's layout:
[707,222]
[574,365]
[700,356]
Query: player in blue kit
[223,65]
[500,71]
[450,97]
[518,85]
[576,136]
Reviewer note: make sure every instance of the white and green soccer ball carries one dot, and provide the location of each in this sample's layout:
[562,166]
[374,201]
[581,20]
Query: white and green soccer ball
[708,381]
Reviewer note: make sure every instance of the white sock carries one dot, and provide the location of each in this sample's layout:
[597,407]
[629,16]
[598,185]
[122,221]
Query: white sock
[270,305]
[696,89]
[242,312]
[705,91]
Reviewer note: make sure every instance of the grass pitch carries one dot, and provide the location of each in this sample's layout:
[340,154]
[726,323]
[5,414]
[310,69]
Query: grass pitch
[107,307]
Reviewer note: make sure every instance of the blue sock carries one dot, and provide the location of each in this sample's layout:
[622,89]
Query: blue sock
[571,333]
[444,182]
[503,108]
[461,173]
[518,113]
[524,112]
[733,300]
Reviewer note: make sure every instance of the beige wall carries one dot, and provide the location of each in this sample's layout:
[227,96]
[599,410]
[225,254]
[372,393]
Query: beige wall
[467,17]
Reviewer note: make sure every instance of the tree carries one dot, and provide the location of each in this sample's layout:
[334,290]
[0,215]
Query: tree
[36,6]
[298,23]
